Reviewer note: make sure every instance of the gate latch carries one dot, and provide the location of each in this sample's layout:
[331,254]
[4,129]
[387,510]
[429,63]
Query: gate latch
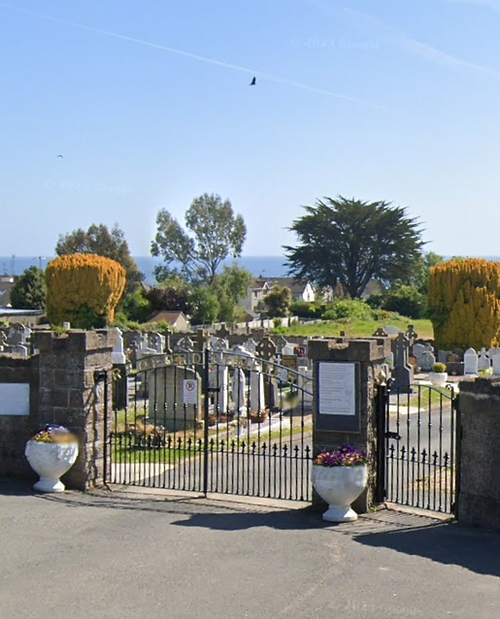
[394,435]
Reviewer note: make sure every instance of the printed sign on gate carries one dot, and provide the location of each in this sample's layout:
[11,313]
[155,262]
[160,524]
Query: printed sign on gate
[190,391]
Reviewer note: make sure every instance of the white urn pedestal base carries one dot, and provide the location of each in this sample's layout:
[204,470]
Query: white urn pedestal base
[339,486]
[50,461]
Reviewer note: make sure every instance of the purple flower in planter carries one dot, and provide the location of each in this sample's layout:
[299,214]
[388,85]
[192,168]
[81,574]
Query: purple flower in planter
[343,456]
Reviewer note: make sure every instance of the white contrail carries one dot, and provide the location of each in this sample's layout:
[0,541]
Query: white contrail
[180,52]
[423,50]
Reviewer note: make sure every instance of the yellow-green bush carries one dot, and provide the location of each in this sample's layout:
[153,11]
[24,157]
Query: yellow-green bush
[463,298]
[83,289]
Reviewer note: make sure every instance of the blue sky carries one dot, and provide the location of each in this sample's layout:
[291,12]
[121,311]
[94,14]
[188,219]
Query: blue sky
[150,105]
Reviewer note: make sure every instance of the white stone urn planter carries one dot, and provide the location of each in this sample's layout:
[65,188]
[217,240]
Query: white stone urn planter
[438,378]
[50,461]
[339,486]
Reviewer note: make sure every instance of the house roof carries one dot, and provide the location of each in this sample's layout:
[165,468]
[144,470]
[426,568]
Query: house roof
[169,316]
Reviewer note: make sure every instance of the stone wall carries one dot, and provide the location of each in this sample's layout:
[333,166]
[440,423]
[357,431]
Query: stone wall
[15,430]
[67,383]
[371,355]
[479,462]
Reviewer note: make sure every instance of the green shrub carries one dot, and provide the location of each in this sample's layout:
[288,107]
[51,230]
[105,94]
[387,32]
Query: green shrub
[347,308]
[405,300]
[375,300]
[304,309]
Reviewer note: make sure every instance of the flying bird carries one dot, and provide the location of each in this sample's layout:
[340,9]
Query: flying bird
[254,80]
[60,156]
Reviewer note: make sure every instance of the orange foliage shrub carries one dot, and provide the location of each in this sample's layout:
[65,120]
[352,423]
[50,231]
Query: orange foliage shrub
[80,286]
[463,298]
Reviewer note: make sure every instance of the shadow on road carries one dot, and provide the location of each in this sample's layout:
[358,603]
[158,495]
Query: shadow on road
[16,487]
[446,542]
[297,519]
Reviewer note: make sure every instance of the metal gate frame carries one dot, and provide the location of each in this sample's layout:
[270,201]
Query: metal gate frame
[264,455]
[413,467]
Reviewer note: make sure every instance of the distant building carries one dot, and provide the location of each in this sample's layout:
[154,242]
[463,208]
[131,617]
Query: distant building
[301,289]
[174,318]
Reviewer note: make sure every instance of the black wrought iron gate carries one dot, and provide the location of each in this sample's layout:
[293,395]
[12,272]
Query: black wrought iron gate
[220,422]
[418,447]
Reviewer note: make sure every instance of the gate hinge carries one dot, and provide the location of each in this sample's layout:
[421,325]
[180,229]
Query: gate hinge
[394,435]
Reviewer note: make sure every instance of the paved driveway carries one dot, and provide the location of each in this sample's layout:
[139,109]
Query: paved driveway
[136,554]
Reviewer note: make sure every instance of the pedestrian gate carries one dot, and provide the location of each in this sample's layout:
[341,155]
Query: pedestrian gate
[418,447]
[221,422]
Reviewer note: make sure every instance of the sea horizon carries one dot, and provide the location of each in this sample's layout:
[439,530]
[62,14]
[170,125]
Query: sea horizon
[265,266]
[259,266]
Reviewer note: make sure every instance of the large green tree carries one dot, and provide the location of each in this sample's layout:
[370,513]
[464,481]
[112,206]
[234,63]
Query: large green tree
[29,290]
[98,239]
[213,233]
[230,286]
[278,301]
[349,242]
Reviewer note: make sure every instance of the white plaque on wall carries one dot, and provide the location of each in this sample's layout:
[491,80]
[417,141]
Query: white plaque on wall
[14,398]
[336,388]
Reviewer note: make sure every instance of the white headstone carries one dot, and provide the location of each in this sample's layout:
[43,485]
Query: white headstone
[257,394]
[288,349]
[117,354]
[470,362]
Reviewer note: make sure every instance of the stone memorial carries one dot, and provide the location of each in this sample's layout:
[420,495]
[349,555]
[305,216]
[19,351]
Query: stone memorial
[470,362]
[483,361]
[402,372]
[176,395]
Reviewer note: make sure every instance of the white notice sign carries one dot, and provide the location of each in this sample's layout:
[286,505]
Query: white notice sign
[14,399]
[336,388]
[190,391]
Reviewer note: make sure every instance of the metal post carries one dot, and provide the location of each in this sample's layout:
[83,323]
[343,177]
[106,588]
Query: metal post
[206,403]
[455,407]
[381,412]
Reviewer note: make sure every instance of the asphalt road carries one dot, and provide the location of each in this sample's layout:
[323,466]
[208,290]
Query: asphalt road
[127,556]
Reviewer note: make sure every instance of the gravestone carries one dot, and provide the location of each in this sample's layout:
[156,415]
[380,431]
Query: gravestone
[483,361]
[17,340]
[470,362]
[118,355]
[157,342]
[120,374]
[380,332]
[223,332]
[411,335]
[402,372]
[288,349]
[281,342]
[424,355]
[266,349]
[494,355]
[271,392]
[238,392]
[305,384]
[443,355]
[176,396]
[257,398]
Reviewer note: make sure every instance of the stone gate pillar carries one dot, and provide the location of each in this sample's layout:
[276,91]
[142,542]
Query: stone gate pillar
[72,367]
[346,373]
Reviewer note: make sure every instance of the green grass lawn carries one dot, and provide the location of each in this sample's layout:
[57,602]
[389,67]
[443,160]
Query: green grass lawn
[121,450]
[358,328]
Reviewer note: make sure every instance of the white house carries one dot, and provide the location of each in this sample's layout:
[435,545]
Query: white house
[301,289]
